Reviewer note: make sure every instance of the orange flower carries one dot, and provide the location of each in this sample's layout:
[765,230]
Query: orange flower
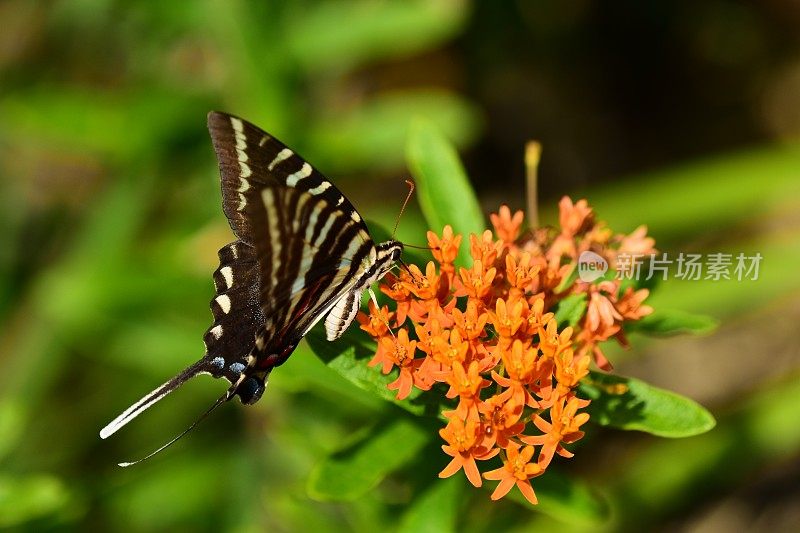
[637,243]
[570,370]
[424,287]
[516,470]
[466,384]
[536,317]
[630,305]
[400,351]
[471,323]
[520,274]
[444,250]
[574,218]
[501,415]
[427,334]
[601,312]
[520,363]
[484,249]
[395,288]
[551,342]
[428,373]
[563,427]
[476,282]
[376,323]
[505,226]
[463,446]
[449,351]
[425,310]
[507,319]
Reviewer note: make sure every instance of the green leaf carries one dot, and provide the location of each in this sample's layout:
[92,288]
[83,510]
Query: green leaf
[565,499]
[351,472]
[713,193]
[569,279]
[372,135]
[434,510]
[445,194]
[570,310]
[628,403]
[29,498]
[349,356]
[305,372]
[673,322]
[340,35]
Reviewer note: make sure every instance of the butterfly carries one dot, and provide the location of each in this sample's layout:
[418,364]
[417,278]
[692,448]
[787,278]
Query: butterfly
[302,252]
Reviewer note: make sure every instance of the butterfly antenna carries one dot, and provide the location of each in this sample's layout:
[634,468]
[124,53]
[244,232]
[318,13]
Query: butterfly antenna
[411,188]
[410,273]
[420,247]
[180,435]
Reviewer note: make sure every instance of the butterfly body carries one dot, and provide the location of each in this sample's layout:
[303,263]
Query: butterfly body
[303,253]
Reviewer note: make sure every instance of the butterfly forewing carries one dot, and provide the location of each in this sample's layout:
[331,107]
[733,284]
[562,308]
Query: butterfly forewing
[311,244]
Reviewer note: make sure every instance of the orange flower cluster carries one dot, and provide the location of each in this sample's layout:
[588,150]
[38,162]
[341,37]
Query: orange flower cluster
[486,334]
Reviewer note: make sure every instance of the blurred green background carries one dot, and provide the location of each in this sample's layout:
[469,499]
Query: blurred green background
[680,115]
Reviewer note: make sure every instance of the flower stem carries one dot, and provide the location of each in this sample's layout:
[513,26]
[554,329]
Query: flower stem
[533,151]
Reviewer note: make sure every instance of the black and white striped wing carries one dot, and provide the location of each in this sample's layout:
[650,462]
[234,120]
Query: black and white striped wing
[302,252]
[310,243]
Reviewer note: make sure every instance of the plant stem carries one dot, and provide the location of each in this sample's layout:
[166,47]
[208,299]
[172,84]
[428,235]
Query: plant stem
[533,151]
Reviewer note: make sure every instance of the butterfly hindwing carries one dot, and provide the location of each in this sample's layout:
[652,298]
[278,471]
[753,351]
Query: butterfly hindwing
[236,309]
[342,314]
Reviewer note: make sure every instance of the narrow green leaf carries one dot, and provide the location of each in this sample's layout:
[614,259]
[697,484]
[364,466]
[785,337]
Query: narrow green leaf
[445,194]
[672,322]
[571,309]
[565,499]
[631,404]
[351,472]
[434,510]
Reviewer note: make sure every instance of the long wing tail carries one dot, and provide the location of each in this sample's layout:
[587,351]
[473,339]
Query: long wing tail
[200,367]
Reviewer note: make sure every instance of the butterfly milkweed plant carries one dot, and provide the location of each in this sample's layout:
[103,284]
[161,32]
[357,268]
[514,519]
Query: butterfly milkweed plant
[498,346]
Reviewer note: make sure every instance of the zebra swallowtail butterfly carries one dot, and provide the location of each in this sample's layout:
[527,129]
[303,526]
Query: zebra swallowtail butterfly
[302,252]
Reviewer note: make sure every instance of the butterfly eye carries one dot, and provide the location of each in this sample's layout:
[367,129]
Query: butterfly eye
[250,390]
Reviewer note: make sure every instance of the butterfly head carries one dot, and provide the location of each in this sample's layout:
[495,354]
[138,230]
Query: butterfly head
[389,253]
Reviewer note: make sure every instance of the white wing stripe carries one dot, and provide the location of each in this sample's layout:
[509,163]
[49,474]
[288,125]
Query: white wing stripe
[319,189]
[282,155]
[272,219]
[304,172]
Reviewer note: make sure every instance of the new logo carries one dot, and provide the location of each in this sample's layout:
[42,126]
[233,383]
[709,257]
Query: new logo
[591,266]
